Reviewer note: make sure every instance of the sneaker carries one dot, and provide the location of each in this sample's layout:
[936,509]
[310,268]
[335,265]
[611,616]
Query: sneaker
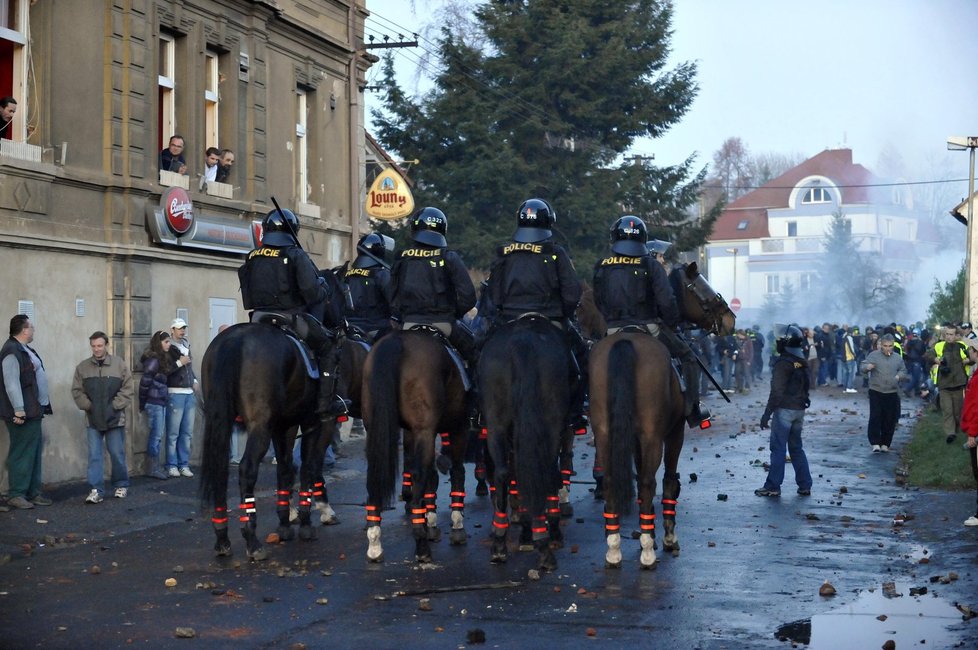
[805,493]
[851,390]
[876,449]
[94,497]
[20,502]
[884,448]
[764,492]
[185,471]
[951,438]
[173,472]
[121,493]
[40,500]
[971,521]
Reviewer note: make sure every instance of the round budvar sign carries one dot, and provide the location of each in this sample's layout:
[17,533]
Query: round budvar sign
[178,210]
[735,305]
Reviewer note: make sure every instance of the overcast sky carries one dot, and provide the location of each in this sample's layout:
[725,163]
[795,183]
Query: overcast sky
[797,78]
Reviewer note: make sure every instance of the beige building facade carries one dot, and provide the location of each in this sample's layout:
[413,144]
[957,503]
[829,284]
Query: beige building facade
[94,236]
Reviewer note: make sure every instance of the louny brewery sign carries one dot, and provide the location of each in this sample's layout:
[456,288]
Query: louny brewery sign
[389,197]
[174,222]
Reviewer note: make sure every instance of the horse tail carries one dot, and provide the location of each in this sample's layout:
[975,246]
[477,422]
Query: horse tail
[622,424]
[531,429]
[384,418]
[221,370]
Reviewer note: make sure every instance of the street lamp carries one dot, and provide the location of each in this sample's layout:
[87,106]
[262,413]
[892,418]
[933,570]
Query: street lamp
[960,143]
[734,252]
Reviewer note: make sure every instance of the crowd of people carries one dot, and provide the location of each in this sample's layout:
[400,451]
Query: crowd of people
[217,162]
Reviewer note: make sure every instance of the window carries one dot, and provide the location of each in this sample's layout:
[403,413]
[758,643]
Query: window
[13,64]
[792,228]
[211,99]
[301,147]
[773,283]
[817,195]
[167,89]
[806,281]
[743,225]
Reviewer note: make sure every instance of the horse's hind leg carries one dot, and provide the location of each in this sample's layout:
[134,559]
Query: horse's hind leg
[313,449]
[646,507]
[671,489]
[283,494]
[247,477]
[500,518]
[458,536]
[566,471]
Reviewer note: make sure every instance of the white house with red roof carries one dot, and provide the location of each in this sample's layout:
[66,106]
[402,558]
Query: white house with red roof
[772,237]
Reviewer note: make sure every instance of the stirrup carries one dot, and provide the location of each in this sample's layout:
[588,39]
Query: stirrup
[579,425]
[336,407]
[699,417]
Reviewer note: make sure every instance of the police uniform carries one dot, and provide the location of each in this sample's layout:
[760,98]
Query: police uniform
[534,277]
[370,295]
[634,291]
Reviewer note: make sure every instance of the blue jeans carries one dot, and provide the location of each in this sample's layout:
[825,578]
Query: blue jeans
[786,433]
[117,454]
[848,373]
[156,417]
[181,410]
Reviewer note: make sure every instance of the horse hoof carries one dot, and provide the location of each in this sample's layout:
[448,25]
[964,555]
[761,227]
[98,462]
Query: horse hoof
[376,560]
[649,567]
[566,510]
[481,489]
[307,533]
[547,562]
[434,534]
[285,533]
[258,555]
[223,550]
[612,565]
[458,537]
[498,558]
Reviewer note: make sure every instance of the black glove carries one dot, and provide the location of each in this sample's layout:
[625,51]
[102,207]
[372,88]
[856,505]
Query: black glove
[765,419]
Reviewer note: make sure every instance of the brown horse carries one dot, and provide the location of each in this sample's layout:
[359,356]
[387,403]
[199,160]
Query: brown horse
[637,416]
[410,380]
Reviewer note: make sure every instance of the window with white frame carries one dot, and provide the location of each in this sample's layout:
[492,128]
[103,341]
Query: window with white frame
[14,56]
[806,281]
[792,228]
[211,98]
[167,89]
[301,147]
[817,195]
[773,282]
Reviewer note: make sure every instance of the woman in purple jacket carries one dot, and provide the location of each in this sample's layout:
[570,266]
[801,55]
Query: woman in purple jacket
[153,397]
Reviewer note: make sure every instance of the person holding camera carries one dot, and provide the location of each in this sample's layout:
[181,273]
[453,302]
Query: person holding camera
[948,358]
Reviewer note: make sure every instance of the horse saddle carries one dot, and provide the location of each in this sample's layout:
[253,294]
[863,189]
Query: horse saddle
[452,352]
[293,328]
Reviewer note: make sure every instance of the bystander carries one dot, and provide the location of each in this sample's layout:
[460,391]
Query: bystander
[969,422]
[947,359]
[212,159]
[171,158]
[153,396]
[8,107]
[181,408]
[225,165]
[885,371]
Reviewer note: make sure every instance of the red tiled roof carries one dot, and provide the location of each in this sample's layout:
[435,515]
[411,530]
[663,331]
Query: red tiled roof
[835,164]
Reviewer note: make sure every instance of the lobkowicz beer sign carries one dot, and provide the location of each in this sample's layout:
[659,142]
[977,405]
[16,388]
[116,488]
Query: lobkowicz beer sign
[389,197]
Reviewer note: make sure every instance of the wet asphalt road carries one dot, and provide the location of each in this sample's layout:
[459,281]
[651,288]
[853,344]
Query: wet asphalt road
[749,571]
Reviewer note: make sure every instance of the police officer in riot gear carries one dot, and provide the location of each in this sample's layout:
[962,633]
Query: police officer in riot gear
[279,277]
[632,290]
[369,282]
[430,284]
[533,274]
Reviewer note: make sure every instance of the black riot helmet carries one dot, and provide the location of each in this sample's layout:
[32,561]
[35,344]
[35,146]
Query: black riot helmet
[534,221]
[429,226]
[791,340]
[280,228]
[628,236]
[373,249]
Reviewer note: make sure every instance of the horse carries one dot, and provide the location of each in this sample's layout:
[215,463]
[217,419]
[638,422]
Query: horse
[410,380]
[525,380]
[638,417]
[258,372]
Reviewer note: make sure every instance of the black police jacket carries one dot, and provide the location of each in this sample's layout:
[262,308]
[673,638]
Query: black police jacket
[281,279]
[370,292]
[430,285]
[789,384]
[534,277]
[632,290]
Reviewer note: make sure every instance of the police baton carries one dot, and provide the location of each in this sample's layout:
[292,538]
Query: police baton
[703,367]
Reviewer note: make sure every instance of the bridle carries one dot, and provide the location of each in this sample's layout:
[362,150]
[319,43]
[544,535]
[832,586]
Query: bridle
[711,302]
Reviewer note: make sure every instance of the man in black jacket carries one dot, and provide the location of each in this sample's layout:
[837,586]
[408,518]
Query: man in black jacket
[102,388]
[786,405]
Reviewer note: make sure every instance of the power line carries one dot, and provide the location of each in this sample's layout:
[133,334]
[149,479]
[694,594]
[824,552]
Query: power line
[901,184]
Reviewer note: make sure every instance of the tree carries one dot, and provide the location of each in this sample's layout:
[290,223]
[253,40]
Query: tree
[948,300]
[733,169]
[548,108]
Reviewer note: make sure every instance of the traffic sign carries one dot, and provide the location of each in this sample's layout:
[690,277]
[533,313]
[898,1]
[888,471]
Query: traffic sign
[735,305]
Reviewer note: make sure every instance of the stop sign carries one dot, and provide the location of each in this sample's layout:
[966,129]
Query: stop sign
[735,305]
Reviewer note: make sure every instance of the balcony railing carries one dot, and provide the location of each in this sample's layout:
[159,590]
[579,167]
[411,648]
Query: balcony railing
[20,150]
[173,179]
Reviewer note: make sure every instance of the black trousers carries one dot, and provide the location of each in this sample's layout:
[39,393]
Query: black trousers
[884,411]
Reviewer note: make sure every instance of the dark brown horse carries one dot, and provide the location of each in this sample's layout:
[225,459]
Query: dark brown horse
[410,381]
[637,416]
[257,372]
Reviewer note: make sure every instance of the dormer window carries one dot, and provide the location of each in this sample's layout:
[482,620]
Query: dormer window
[817,195]
[742,225]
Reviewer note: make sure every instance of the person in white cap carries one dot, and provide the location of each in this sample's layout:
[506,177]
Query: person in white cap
[181,407]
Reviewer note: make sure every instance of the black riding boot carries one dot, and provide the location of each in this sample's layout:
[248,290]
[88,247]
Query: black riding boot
[578,406]
[330,404]
[696,413]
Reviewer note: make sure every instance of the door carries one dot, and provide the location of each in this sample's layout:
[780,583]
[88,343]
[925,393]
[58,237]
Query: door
[223,311]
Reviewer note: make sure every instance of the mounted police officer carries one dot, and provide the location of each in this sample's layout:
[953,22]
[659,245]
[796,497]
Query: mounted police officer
[278,278]
[369,283]
[430,284]
[632,290]
[533,274]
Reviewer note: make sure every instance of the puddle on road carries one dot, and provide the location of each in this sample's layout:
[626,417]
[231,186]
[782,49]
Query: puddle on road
[910,620]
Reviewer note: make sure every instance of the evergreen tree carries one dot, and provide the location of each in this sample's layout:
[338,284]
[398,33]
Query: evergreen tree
[948,300]
[547,105]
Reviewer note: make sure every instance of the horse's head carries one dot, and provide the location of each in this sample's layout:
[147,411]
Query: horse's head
[699,303]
